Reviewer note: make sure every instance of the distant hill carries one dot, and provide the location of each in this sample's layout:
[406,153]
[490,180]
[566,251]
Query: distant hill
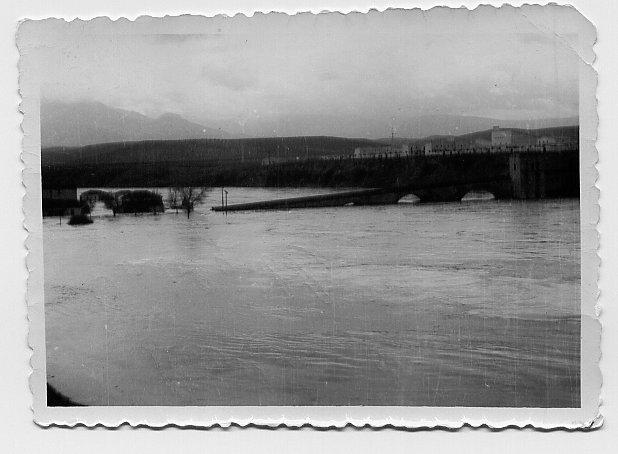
[214,151]
[457,125]
[560,133]
[87,123]
[231,151]
[217,162]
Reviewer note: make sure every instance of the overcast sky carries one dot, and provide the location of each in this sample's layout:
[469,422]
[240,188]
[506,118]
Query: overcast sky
[258,81]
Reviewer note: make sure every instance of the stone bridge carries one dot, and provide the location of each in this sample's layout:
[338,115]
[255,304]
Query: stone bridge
[515,175]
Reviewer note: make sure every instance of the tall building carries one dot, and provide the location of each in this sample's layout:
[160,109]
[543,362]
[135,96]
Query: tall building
[501,136]
[511,137]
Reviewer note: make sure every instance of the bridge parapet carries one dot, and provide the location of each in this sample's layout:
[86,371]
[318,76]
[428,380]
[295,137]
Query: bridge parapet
[453,150]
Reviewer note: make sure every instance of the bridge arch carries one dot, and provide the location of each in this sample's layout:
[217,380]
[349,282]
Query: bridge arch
[453,193]
[410,198]
[477,195]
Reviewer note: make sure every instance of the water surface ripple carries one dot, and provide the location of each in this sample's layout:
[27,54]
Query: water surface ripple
[467,304]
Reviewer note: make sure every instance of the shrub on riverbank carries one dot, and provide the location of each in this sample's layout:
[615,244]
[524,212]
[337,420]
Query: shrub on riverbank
[79,219]
[139,201]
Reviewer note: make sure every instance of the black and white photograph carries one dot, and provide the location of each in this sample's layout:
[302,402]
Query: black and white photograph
[385,210]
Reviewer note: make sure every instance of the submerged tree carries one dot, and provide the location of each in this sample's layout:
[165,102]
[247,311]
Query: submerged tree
[173,198]
[189,197]
[91,203]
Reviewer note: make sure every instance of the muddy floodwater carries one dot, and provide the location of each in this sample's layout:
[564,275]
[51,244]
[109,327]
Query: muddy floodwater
[470,304]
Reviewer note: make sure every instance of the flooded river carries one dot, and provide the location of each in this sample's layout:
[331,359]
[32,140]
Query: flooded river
[469,304]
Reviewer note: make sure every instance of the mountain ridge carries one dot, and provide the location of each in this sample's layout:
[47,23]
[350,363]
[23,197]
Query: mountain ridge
[88,123]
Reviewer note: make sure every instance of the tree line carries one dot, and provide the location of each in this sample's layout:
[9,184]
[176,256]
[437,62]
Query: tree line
[311,173]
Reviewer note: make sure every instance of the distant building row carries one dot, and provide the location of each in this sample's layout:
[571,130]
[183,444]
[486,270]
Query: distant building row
[511,137]
[502,139]
[387,151]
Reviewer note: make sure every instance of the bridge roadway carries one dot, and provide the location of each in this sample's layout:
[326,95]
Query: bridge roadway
[376,196]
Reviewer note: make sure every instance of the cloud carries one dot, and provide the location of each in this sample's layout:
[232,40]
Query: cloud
[263,76]
[231,78]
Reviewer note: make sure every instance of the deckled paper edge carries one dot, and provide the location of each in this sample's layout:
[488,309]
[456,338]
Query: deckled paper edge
[587,417]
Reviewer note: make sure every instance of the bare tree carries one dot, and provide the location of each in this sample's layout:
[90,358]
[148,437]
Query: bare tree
[189,197]
[91,202]
[173,198]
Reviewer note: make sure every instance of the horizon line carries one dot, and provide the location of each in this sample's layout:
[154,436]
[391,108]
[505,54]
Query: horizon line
[380,139]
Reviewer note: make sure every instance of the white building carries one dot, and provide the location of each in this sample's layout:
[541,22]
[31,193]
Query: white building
[370,152]
[511,137]
[384,151]
[545,140]
[500,137]
[430,150]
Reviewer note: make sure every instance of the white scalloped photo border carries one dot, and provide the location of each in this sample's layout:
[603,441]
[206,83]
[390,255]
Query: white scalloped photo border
[564,22]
